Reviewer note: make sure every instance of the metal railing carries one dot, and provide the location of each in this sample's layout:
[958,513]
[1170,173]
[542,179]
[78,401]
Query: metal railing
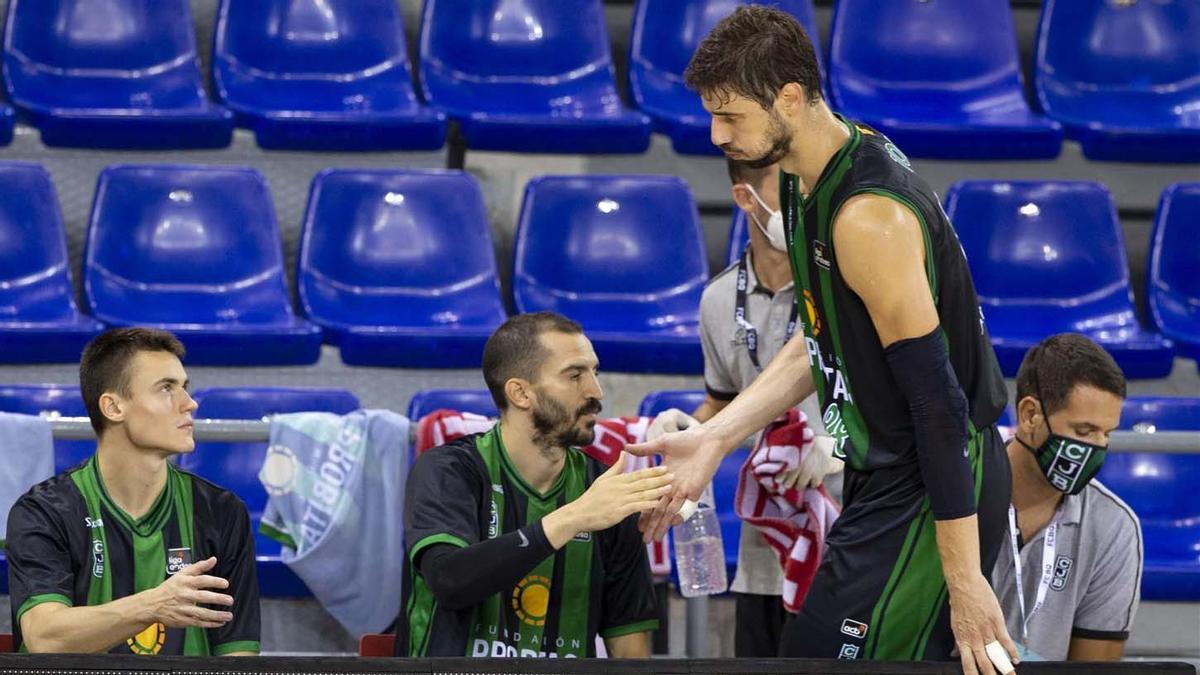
[254,431]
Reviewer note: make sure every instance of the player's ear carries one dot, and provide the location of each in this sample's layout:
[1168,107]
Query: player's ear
[519,393]
[112,406]
[791,98]
[742,197]
[1029,414]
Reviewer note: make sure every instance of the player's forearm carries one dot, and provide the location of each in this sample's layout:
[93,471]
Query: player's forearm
[785,382]
[958,547]
[56,628]
[464,577]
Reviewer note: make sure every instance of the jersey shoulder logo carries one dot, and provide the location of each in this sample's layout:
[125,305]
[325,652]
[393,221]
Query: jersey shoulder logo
[898,155]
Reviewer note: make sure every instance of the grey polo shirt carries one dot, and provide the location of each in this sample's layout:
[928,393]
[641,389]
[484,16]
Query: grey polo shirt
[728,370]
[1097,578]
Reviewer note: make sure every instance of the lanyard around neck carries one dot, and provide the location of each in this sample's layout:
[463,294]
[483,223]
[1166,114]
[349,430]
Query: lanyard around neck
[1049,547]
[739,311]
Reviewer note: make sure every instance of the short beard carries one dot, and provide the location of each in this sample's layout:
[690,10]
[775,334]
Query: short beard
[781,144]
[554,427]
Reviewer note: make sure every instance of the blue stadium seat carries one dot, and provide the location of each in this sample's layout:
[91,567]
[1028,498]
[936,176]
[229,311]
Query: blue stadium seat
[1173,271]
[739,236]
[527,76]
[8,119]
[63,399]
[478,401]
[624,256]
[1007,418]
[724,483]
[1050,258]
[321,75]
[235,466]
[39,322]
[665,35]
[1161,489]
[111,74]
[195,250]
[686,400]
[1123,77]
[941,78]
[399,268]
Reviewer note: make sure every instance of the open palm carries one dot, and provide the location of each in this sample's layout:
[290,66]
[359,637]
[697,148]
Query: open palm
[692,456]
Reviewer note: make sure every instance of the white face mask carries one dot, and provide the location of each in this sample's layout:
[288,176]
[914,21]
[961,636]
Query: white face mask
[774,231]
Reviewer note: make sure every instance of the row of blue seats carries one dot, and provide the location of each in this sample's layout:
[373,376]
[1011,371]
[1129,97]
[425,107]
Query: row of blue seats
[941,77]
[1159,487]
[397,268]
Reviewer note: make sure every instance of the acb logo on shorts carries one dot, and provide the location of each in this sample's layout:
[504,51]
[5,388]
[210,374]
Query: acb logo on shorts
[855,629]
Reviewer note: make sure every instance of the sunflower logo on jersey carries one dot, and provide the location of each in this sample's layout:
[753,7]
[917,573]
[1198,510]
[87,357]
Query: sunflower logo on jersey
[810,312]
[149,641]
[531,599]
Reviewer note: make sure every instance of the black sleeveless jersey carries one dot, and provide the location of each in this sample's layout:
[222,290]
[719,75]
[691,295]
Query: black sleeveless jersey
[863,408]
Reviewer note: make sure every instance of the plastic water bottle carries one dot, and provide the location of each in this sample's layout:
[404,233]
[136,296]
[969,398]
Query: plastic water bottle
[699,553]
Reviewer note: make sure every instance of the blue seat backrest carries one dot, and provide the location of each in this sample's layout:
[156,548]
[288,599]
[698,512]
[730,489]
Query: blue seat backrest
[421,239]
[313,36]
[911,50]
[657,401]
[666,34]
[34,283]
[203,239]
[100,35]
[1120,45]
[1174,256]
[478,401]
[523,39]
[632,243]
[1039,241]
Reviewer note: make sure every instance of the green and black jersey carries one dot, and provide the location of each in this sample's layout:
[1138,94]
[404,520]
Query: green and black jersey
[69,543]
[468,492]
[862,406]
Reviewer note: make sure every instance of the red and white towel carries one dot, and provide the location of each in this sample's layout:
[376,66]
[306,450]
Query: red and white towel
[612,435]
[794,522]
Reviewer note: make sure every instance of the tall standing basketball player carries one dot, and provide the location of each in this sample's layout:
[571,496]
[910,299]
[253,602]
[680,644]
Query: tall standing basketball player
[900,360]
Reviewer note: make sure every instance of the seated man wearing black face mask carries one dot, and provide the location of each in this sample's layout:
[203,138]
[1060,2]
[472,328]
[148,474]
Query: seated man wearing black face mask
[1068,580]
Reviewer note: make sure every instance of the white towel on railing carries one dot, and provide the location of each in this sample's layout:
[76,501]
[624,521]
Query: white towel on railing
[336,492]
[27,446]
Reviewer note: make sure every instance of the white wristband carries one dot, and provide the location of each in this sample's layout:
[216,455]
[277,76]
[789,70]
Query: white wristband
[688,509]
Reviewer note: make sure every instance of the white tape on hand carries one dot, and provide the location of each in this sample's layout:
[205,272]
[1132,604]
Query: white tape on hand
[688,509]
[999,657]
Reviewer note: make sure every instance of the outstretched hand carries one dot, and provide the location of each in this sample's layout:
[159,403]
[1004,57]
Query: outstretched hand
[692,456]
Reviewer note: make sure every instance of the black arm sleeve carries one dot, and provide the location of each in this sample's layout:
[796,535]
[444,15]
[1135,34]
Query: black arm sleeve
[462,577]
[235,563]
[921,367]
